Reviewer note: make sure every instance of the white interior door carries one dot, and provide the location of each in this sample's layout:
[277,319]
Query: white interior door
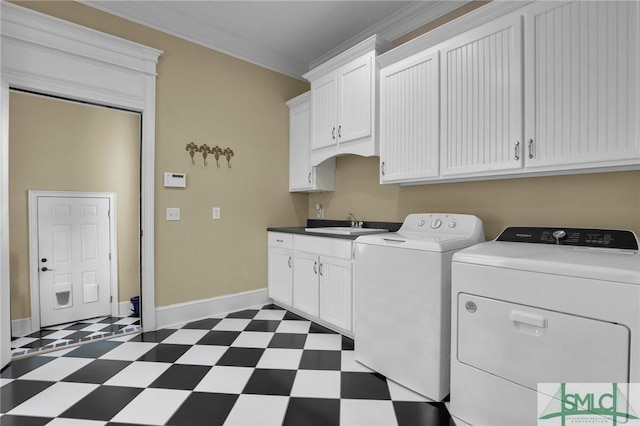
[73,259]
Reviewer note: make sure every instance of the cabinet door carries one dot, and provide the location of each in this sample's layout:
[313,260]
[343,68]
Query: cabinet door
[355,93]
[481,99]
[305,278]
[281,275]
[409,119]
[582,84]
[323,112]
[336,294]
[300,172]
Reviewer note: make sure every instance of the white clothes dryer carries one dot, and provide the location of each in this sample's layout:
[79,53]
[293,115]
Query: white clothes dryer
[402,305]
[541,305]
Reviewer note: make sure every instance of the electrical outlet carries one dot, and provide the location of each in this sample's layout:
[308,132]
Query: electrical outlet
[173,213]
[216,212]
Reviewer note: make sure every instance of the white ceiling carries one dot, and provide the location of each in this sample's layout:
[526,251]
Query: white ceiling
[290,37]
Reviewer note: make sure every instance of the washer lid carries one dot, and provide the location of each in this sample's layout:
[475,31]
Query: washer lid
[617,265]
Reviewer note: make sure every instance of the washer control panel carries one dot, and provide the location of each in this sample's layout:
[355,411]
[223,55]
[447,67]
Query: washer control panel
[580,237]
[443,224]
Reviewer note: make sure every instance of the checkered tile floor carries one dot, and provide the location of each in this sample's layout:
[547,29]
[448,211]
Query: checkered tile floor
[66,334]
[254,367]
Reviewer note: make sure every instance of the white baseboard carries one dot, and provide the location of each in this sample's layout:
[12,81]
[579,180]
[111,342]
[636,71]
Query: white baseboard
[181,313]
[21,327]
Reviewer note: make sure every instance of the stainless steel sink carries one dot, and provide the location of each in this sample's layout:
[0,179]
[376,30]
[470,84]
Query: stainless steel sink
[345,230]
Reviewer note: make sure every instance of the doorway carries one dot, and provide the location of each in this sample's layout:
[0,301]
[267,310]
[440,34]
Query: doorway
[52,56]
[61,145]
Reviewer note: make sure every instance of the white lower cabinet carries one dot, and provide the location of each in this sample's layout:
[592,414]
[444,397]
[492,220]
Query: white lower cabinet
[305,278]
[336,292]
[322,280]
[280,257]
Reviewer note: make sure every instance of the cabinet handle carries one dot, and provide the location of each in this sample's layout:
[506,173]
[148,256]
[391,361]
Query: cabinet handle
[517,151]
[339,131]
[382,168]
[321,269]
[315,267]
[309,177]
[333,133]
[289,262]
[530,148]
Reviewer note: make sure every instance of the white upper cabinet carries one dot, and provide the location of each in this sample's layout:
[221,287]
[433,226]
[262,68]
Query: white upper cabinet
[355,107]
[542,88]
[409,118]
[481,88]
[302,176]
[581,95]
[344,103]
[325,109]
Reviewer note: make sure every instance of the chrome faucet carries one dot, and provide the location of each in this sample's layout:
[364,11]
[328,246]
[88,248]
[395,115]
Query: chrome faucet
[355,223]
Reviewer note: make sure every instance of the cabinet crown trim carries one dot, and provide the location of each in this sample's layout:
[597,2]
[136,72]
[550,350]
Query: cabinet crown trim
[300,99]
[449,30]
[373,43]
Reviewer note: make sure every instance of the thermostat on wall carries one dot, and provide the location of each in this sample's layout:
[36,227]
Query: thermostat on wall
[175,180]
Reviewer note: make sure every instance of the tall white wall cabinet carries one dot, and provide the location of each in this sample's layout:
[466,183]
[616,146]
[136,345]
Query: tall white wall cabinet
[303,177]
[536,88]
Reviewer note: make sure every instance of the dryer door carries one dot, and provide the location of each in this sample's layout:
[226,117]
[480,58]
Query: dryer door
[528,345]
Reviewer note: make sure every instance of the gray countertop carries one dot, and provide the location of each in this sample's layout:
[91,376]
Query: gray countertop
[320,223]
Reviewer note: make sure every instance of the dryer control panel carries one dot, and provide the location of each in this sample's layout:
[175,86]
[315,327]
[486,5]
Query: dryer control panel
[582,237]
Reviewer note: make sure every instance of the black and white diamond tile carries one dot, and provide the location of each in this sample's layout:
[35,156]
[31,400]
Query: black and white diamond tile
[253,367]
[57,336]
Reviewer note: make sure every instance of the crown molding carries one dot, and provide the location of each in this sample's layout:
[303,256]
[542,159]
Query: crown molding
[396,25]
[163,16]
[158,14]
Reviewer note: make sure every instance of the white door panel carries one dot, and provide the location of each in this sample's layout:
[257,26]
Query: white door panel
[73,252]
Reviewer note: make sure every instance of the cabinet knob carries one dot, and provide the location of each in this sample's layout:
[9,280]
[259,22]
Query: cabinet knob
[530,148]
[382,168]
[289,262]
[333,133]
[517,151]
[339,131]
[309,177]
[315,267]
[321,269]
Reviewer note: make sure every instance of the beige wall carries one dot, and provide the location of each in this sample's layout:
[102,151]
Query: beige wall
[209,97]
[598,200]
[67,146]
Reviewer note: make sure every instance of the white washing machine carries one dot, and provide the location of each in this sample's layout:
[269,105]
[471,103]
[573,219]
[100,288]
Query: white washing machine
[402,299]
[541,305]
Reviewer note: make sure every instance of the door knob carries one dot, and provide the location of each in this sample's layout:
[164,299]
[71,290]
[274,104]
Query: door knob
[45,269]
[44,259]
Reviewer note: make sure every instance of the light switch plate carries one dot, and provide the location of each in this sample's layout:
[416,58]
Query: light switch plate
[173,213]
[216,212]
